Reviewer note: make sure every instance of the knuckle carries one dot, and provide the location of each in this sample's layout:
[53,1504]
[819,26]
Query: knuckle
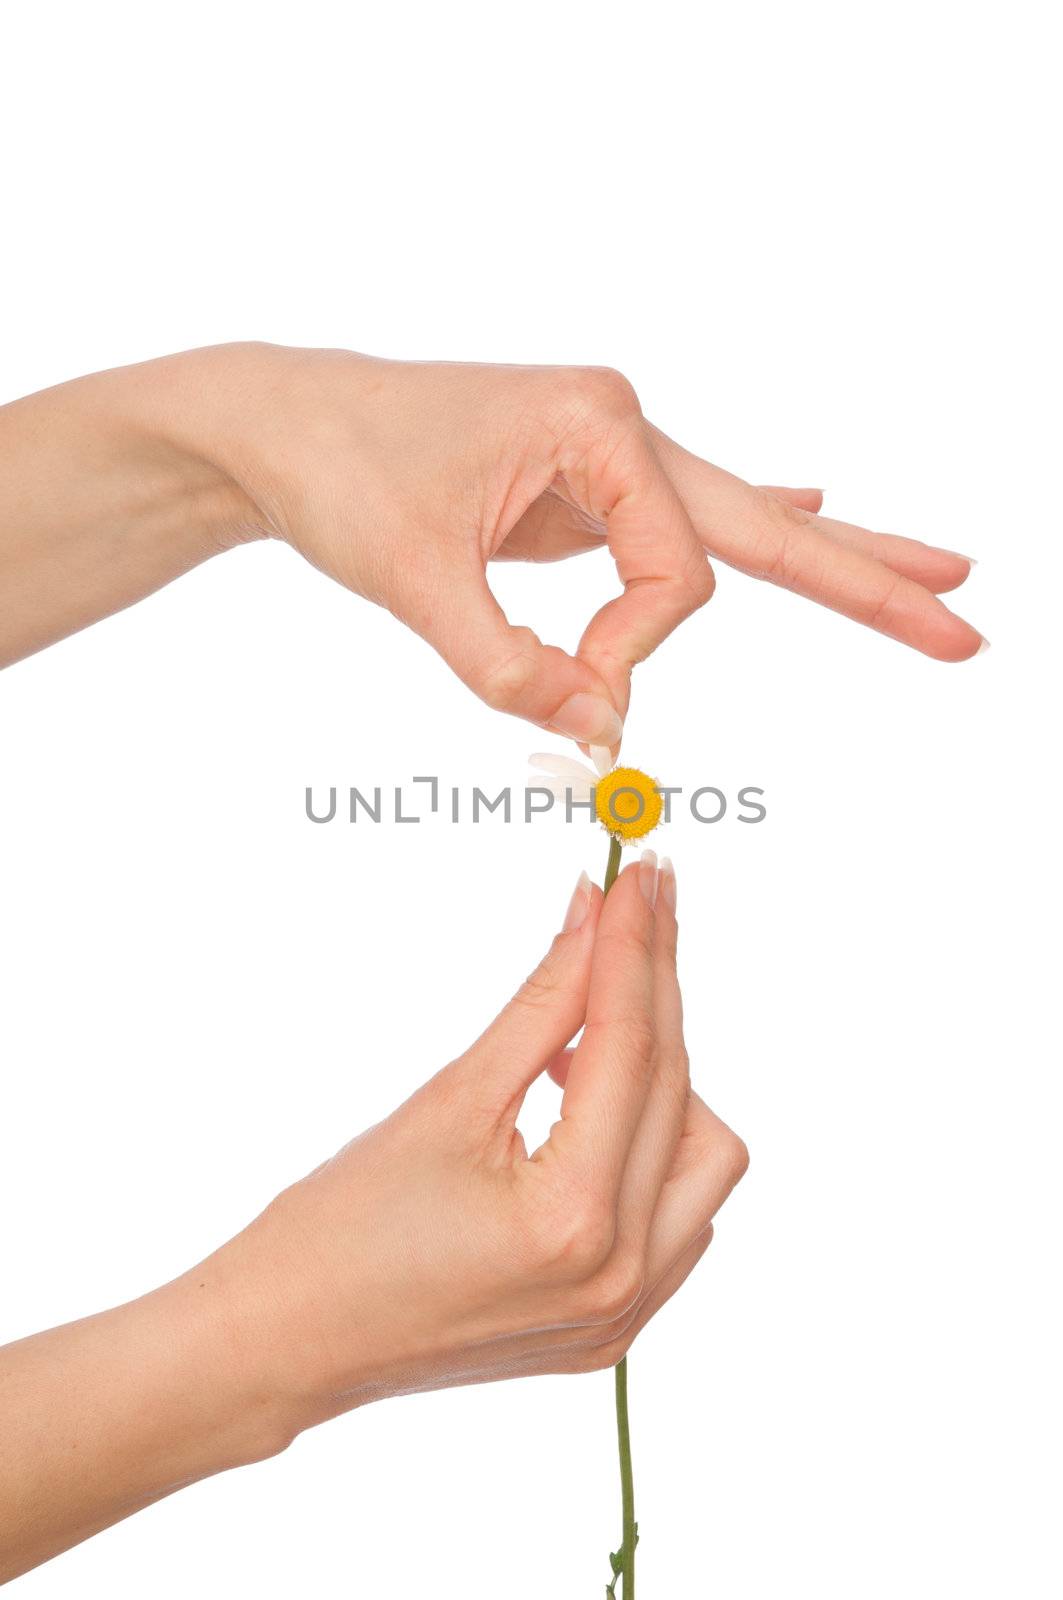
[606,389]
[729,1155]
[623,1037]
[779,566]
[539,987]
[598,1354]
[782,513]
[640,1035]
[880,609]
[596,404]
[629,947]
[592,1239]
[614,1291]
[503,684]
[609,1354]
[701,583]
[573,1246]
[738,1157]
[783,526]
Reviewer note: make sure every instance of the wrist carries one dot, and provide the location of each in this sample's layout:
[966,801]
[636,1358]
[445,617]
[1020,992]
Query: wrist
[305,1347]
[264,1339]
[270,422]
[215,412]
[155,419]
[101,505]
[229,1410]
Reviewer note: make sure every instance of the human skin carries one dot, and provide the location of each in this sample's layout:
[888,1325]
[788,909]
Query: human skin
[431,1251]
[403,480]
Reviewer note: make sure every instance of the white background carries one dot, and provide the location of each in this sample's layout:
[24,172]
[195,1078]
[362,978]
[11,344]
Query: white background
[819,240]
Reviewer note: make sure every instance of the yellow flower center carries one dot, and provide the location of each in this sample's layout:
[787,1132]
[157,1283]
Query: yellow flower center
[627,803]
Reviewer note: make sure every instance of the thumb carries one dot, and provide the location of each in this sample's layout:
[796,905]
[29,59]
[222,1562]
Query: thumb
[544,1014]
[512,670]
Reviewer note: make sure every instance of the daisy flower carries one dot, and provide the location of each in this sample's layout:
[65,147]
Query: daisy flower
[626,801]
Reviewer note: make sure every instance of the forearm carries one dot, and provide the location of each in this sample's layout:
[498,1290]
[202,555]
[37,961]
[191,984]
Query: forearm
[103,1416]
[101,501]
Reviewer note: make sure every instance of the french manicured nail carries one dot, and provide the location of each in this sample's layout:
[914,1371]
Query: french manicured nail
[668,884]
[982,648]
[648,875]
[588,719]
[579,905]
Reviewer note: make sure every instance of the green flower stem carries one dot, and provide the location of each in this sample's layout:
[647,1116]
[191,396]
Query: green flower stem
[612,866]
[627,1486]
[623,1561]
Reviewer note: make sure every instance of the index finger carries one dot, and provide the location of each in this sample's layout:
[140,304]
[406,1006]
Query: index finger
[659,559]
[611,1070]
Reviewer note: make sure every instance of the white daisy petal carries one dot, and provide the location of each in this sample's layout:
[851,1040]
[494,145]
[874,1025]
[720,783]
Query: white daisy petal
[561,788]
[602,759]
[564,767]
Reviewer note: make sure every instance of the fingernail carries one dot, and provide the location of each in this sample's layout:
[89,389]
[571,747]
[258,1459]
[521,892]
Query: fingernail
[970,560]
[648,875]
[668,884]
[578,906]
[588,719]
[982,648]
